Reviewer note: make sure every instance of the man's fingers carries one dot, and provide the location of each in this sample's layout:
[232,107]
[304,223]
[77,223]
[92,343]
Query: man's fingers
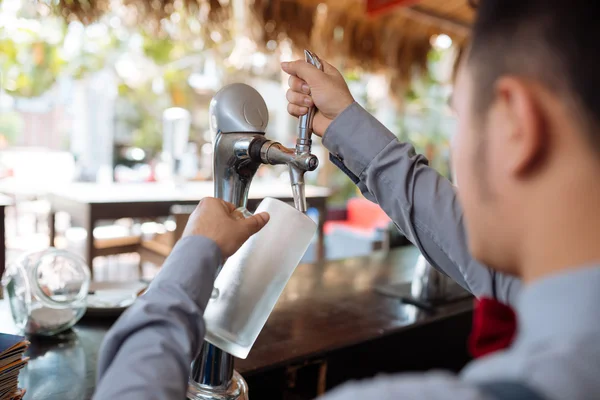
[298,99]
[296,111]
[298,85]
[329,69]
[255,223]
[230,207]
[212,201]
[303,70]
[227,207]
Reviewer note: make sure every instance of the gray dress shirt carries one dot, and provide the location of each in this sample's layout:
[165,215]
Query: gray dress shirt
[148,352]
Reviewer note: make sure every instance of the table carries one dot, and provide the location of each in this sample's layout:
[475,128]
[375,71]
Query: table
[88,203]
[329,320]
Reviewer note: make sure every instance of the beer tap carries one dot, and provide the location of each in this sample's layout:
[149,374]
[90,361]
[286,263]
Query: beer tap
[238,121]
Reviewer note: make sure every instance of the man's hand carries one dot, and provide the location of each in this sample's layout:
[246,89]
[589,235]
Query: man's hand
[326,89]
[218,220]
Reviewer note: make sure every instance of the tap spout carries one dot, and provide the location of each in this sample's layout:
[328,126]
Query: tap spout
[275,153]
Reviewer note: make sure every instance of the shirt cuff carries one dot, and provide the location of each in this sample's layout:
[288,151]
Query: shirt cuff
[355,138]
[192,266]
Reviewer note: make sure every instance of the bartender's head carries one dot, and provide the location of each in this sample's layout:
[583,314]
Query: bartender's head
[527,151]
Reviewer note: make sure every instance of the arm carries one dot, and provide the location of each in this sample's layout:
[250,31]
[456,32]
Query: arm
[422,203]
[148,352]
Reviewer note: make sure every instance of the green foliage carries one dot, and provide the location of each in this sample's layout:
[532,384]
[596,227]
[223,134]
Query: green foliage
[343,189]
[425,120]
[159,50]
[93,56]
[352,75]
[11,124]
[35,54]
[148,135]
[29,69]
[145,121]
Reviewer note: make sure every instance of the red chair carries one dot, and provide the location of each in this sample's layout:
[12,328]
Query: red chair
[364,218]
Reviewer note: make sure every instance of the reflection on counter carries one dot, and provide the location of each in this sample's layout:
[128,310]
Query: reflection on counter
[57,368]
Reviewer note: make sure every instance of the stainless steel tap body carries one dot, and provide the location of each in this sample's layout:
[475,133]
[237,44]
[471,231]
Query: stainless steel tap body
[238,120]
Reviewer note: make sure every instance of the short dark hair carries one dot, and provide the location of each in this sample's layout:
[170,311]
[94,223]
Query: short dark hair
[551,41]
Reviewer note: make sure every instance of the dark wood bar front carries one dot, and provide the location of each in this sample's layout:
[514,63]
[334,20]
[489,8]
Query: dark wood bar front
[329,326]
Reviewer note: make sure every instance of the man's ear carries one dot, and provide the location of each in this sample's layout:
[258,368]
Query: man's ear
[521,114]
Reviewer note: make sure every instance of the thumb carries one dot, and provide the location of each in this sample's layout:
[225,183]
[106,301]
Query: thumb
[303,70]
[255,223]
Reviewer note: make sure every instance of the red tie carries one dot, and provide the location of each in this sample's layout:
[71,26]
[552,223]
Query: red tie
[494,327]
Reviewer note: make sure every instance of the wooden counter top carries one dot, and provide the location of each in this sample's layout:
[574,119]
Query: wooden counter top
[325,308]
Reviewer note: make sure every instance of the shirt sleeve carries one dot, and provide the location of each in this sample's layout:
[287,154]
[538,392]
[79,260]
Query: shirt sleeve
[422,203]
[430,386]
[148,352]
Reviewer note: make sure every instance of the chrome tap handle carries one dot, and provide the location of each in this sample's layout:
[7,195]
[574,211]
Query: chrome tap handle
[305,123]
[303,146]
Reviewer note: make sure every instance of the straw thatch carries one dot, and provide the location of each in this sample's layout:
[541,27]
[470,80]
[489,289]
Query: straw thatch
[85,11]
[397,40]
[148,13]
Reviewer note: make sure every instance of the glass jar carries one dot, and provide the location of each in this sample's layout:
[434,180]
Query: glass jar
[47,291]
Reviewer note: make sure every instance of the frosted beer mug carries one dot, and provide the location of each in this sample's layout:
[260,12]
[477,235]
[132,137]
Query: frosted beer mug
[252,280]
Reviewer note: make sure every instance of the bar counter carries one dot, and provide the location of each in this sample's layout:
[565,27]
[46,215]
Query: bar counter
[329,326]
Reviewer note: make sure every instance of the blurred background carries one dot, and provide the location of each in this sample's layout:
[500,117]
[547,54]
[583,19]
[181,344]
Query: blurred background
[102,92]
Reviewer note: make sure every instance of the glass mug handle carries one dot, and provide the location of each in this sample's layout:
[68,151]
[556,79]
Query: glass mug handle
[246,214]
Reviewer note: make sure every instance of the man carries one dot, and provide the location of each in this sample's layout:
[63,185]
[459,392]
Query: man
[527,156]
[527,159]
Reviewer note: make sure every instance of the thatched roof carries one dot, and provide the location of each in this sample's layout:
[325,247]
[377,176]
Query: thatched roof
[147,14]
[396,38]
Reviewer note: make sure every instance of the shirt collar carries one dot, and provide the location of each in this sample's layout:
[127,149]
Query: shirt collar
[562,305]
